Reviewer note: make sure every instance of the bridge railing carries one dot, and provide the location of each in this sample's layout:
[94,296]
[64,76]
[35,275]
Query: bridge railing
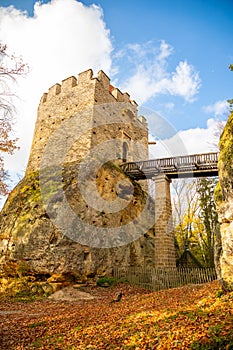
[190,161]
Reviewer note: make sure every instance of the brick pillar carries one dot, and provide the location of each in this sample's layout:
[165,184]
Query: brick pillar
[164,233]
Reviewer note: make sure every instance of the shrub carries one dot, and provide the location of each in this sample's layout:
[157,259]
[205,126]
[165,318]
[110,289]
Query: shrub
[106,281]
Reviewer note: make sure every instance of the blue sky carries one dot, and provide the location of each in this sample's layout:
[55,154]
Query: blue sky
[171,56]
[199,32]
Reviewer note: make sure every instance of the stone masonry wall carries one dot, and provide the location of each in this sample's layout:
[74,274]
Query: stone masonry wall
[164,233]
[93,100]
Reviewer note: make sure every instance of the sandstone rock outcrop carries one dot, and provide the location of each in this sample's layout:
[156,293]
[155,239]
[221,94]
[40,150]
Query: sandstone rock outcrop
[224,201]
[31,243]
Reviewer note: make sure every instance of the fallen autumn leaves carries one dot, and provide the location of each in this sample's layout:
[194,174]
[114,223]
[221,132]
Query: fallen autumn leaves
[190,317]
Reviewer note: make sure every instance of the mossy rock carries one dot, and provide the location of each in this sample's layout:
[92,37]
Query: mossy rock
[218,196]
[225,162]
[31,243]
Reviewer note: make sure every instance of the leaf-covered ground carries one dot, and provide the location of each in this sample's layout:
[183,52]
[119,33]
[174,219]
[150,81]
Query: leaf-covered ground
[190,317]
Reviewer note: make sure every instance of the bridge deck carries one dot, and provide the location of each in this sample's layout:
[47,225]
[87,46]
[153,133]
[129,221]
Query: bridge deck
[196,165]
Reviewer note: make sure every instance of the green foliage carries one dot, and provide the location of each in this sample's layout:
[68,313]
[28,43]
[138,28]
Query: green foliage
[37,343]
[25,289]
[37,324]
[220,293]
[23,268]
[24,295]
[106,281]
[230,104]
[218,343]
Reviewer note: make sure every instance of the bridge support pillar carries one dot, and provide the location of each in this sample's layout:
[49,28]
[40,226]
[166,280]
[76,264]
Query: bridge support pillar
[164,233]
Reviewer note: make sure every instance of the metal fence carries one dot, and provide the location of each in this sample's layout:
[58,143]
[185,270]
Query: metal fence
[164,278]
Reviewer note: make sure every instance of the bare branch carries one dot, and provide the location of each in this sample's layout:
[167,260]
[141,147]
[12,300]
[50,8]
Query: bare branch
[11,67]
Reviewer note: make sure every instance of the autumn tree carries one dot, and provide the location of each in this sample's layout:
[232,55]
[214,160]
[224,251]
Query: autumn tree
[185,206]
[195,218]
[10,68]
[209,217]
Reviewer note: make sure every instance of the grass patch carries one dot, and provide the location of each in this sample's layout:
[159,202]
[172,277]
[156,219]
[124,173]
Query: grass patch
[37,324]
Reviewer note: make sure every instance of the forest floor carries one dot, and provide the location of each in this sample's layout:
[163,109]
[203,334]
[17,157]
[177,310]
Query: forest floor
[189,317]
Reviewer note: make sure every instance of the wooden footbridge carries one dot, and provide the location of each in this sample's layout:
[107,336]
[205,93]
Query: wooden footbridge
[196,165]
[162,171]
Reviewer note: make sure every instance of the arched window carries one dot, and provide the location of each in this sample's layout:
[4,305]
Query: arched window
[124,152]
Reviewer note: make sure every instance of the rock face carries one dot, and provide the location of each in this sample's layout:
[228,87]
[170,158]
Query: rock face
[75,213]
[32,243]
[224,201]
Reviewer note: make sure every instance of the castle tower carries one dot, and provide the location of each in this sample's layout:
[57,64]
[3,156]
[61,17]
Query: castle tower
[103,112]
[74,200]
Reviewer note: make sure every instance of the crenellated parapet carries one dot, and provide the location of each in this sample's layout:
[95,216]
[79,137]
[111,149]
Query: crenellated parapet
[101,82]
[86,93]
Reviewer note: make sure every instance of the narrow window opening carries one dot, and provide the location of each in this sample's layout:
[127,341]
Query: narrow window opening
[86,255]
[124,152]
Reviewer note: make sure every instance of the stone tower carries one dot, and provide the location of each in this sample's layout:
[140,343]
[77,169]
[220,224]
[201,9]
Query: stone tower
[103,112]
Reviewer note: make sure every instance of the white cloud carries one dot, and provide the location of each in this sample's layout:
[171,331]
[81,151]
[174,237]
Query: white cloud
[169,105]
[191,141]
[219,108]
[151,76]
[63,38]
[184,82]
[165,51]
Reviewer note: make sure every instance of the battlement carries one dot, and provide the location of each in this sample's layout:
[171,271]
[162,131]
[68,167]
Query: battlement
[87,81]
